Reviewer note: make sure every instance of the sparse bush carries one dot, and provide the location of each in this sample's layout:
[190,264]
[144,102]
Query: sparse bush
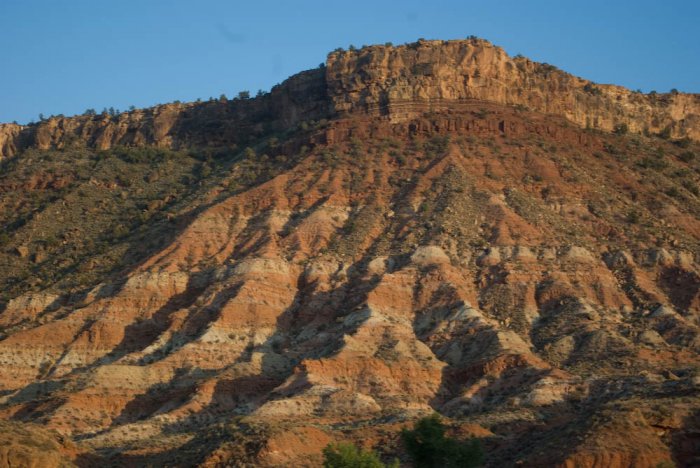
[249,153]
[672,192]
[482,113]
[437,145]
[590,88]
[691,187]
[652,163]
[347,455]
[665,133]
[683,142]
[686,156]
[120,231]
[547,68]
[398,157]
[621,129]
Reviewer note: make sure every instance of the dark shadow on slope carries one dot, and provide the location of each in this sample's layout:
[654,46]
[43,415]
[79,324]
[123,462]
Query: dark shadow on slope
[685,442]
[158,399]
[244,394]
[477,347]
[195,325]
[558,432]
[85,327]
[298,217]
[38,410]
[37,399]
[681,286]
[140,335]
[192,453]
[250,240]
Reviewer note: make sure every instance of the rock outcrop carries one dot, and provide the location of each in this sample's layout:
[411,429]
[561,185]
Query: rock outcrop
[399,82]
[31,446]
[177,125]
[432,76]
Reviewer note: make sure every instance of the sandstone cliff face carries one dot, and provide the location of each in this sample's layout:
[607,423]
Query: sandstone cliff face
[408,80]
[9,139]
[213,123]
[400,82]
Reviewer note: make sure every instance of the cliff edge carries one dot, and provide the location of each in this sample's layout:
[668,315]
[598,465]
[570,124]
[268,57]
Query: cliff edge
[399,82]
[408,80]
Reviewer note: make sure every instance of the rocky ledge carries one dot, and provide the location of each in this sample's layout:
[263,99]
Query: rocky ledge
[399,82]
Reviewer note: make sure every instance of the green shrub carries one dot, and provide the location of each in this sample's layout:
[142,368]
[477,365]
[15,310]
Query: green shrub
[346,455]
[672,192]
[590,88]
[120,231]
[482,113]
[437,145]
[665,134]
[652,163]
[621,129]
[429,447]
[683,142]
[686,156]
[633,217]
[691,187]
[249,153]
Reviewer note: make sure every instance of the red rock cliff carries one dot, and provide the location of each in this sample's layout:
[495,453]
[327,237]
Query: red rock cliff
[220,122]
[408,80]
[399,82]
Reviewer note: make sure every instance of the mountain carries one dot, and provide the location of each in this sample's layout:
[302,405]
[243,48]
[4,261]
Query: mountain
[432,227]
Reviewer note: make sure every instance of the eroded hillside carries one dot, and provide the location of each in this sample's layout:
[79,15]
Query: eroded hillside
[335,273]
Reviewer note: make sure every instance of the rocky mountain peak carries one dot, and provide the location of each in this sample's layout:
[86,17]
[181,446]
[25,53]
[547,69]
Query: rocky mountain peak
[399,82]
[407,80]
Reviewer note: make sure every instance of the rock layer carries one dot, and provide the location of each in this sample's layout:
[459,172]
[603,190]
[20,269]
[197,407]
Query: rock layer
[400,82]
[176,125]
[406,81]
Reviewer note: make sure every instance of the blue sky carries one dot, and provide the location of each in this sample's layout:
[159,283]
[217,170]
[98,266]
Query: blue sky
[64,56]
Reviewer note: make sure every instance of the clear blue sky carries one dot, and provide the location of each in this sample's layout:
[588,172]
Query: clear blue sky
[63,56]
